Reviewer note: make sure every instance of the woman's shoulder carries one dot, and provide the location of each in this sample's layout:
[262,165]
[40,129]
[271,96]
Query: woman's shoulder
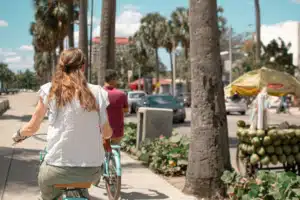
[100,93]
[46,87]
[96,88]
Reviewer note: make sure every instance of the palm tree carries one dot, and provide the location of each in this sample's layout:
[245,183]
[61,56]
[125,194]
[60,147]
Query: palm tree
[50,27]
[206,153]
[180,22]
[152,31]
[42,65]
[180,19]
[71,24]
[258,40]
[138,52]
[107,35]
[170,42]
[83,33]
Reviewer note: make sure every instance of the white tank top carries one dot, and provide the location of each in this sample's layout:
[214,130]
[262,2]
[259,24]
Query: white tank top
[73,137]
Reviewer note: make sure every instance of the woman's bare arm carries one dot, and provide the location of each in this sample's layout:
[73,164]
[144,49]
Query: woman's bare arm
[34,124]
[106,129]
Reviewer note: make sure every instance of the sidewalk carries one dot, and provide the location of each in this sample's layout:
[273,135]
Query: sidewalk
[138,182]
[293,111]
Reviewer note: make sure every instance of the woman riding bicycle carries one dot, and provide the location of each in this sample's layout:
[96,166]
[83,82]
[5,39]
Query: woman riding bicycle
[77,128]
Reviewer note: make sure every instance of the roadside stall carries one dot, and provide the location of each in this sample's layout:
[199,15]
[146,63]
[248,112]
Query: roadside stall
[261,145]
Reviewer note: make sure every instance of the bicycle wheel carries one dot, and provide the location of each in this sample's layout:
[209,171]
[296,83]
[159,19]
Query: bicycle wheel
[113,181]
[97,182]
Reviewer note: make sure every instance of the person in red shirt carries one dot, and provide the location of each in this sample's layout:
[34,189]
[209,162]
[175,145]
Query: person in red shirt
[118,105]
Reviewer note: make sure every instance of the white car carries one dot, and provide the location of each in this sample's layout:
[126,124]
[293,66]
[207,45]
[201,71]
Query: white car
[133,98]
[235,104]
[274,102]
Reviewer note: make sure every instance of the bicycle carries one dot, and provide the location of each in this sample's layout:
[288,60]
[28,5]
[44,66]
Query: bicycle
[112,173]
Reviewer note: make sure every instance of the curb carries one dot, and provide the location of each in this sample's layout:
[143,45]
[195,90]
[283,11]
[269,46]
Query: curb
[4,106]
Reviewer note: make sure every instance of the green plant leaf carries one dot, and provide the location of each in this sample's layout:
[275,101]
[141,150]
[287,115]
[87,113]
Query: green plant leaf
[296,191]
[175,138]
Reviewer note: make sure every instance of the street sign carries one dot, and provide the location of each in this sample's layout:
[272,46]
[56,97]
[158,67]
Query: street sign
[129,72]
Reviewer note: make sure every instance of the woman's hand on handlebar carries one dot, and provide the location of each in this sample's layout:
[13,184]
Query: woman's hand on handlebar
[106,145]
[17,137]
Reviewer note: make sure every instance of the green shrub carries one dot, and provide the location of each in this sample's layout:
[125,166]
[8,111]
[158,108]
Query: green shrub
[129,140]
[166,156]
[266,185]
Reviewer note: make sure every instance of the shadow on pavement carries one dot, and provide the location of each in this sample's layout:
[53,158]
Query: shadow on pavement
[132,165]
[184,124]
[22,170]
[138,195]
[94,198]
[24,118]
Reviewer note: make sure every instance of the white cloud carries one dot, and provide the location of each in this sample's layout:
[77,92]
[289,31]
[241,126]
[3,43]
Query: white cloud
[3,23]
[15,59]
[20,62]
[288,31]
[296,1]
[7,52]
[26,48]
[127,23]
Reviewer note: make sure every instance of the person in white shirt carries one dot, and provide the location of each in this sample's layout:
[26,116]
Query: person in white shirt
[78,126]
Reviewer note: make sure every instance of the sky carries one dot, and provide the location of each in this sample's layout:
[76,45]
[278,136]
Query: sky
[16,15]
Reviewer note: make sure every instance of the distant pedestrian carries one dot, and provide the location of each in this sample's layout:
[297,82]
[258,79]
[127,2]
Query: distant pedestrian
[118,106]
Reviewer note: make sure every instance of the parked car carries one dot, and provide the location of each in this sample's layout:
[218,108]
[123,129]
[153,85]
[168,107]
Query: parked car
[274,101]
[133,98]
[236,103]
[164,101]
[185,98]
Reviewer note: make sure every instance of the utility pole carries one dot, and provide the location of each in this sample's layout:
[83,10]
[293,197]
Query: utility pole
[230,54]
[140,76]
[91,43]
[174,72]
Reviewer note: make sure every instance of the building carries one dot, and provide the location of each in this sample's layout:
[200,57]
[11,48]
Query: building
[121,43]
[288,31]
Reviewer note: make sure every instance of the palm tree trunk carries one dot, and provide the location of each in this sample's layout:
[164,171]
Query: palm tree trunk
[107,35]
[258,40]
[206,161]
[157,66]
[61,46]
[71,24]
[172,68]
[112,43]
[83,33]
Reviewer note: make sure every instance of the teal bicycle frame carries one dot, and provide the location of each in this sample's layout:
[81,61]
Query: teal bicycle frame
[116,156]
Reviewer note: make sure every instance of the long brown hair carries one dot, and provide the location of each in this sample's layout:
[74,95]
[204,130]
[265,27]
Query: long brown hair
[69,81]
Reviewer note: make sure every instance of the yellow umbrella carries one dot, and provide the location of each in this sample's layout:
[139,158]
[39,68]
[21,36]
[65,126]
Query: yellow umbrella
[278,83]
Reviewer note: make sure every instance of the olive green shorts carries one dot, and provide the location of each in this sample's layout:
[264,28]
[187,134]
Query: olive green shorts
[51,175]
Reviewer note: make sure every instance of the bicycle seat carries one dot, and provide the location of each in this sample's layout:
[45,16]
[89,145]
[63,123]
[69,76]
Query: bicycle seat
[115,146]
[82,185]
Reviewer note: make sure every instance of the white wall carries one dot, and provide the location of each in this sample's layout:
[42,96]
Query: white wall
[288,31]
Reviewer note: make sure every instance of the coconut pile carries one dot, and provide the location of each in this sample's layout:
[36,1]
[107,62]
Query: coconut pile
[277,144]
